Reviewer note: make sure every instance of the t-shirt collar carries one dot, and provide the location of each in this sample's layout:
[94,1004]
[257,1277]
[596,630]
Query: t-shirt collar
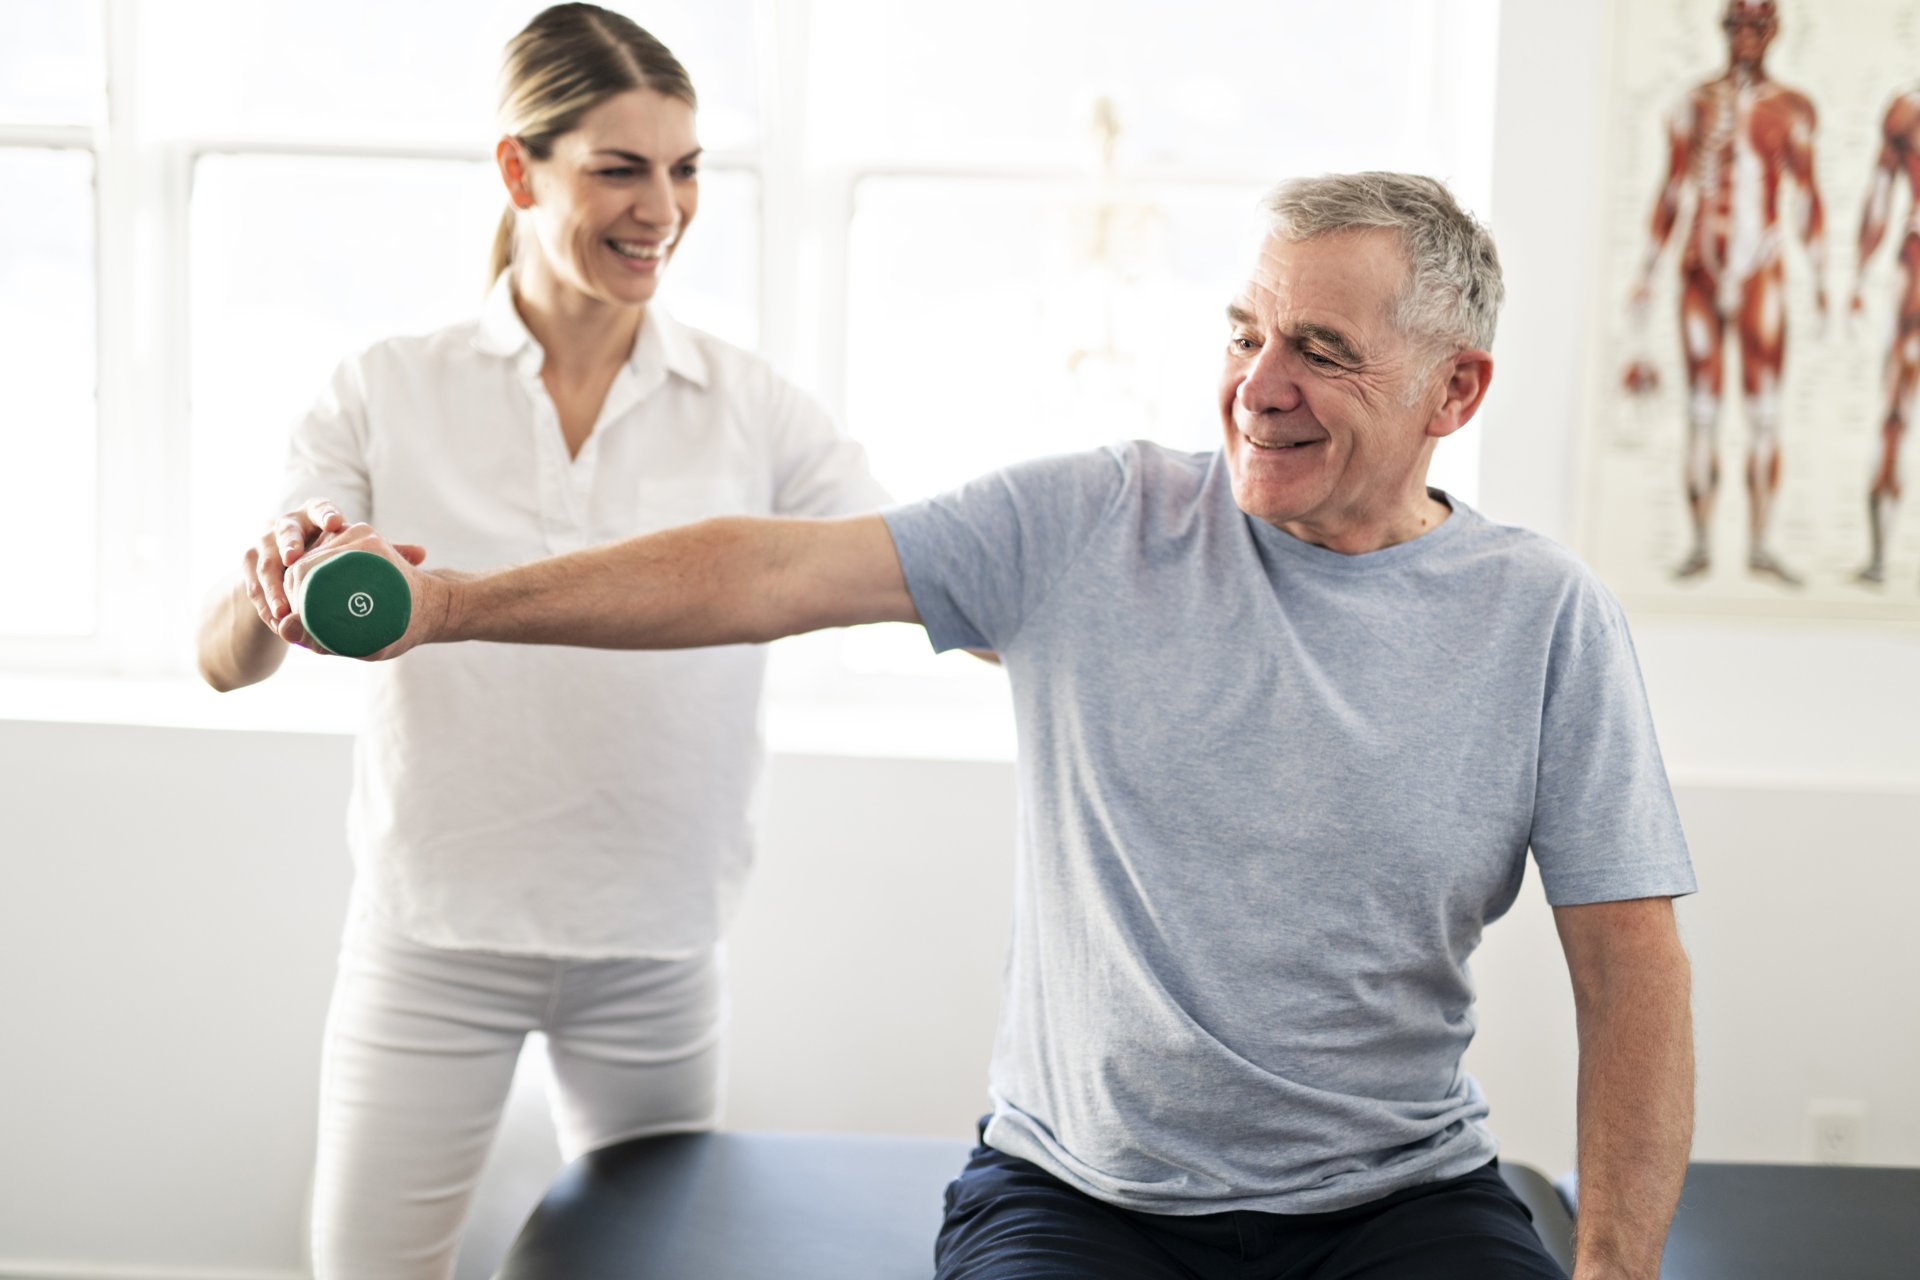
[1458,516]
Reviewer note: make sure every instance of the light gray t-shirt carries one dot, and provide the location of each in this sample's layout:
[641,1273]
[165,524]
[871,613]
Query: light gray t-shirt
[1270,796]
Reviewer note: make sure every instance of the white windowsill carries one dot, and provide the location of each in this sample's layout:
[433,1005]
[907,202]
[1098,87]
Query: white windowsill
[903,729]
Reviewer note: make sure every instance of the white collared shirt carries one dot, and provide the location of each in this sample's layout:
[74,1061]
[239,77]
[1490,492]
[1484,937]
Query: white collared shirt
[540,799]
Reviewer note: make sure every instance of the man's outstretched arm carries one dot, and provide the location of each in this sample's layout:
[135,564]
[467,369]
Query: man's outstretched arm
[732,580]
[1632,999]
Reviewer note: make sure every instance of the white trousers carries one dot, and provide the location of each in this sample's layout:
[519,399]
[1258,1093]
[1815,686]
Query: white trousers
[420,1049]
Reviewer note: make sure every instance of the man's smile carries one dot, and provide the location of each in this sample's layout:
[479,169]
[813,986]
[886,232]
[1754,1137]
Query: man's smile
[1279,443]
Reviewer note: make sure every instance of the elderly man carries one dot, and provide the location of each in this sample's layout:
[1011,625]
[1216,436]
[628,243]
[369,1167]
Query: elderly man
[1289,721]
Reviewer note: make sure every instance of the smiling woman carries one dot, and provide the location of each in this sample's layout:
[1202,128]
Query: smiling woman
[606,204]
[559,119]
[562,854]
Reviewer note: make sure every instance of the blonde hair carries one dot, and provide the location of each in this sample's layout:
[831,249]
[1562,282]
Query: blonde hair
[566,62]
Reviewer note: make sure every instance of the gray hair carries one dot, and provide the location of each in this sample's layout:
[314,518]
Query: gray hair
[1453,290]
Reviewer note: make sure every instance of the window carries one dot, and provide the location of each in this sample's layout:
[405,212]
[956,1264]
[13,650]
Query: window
[50,68]
[1040,211]
[1038,316]
[979,233]
[297,260]
[206,243]
[50,92]
[47,332]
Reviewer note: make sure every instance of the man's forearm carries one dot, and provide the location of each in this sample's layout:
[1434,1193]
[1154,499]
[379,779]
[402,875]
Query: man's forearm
[732,580]
[1635,1114]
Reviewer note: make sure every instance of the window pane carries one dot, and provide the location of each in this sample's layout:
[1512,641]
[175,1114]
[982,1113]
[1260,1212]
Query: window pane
[1283,86]
[48,439]
[420,71]
[50,63]
[297,262]
[294,264]
[714,282]
[993,321]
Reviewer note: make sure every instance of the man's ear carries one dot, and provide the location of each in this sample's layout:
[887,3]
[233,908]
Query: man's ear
[1468,374]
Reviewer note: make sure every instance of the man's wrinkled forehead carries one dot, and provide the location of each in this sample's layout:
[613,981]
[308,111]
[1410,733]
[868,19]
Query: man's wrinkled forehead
[1356,274]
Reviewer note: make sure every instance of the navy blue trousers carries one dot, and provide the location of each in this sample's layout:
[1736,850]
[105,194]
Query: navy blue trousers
[1007,1219]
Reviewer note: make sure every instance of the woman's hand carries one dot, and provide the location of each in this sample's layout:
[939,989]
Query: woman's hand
[264,567]
[287,539]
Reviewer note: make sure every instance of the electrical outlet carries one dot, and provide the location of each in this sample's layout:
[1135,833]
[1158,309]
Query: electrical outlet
[1835,1130]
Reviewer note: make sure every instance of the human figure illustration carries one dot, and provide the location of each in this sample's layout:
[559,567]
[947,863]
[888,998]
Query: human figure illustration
[1731,141]
[1899,154]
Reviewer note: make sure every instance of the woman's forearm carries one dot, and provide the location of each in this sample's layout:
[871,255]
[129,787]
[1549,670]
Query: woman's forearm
[234,648]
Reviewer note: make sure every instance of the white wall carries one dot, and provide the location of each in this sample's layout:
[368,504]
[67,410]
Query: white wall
[1792,745]
[169,910]
[167,935]
[1799,704]
[1804,974]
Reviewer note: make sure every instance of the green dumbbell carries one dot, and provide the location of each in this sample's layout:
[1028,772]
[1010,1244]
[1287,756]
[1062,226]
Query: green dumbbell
[354,603]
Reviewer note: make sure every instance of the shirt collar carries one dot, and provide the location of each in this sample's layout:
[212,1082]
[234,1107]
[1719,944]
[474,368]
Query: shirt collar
[502,332]
[664,343]
[662,347]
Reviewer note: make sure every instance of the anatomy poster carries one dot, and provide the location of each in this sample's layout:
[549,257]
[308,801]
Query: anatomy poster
[1758,326]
